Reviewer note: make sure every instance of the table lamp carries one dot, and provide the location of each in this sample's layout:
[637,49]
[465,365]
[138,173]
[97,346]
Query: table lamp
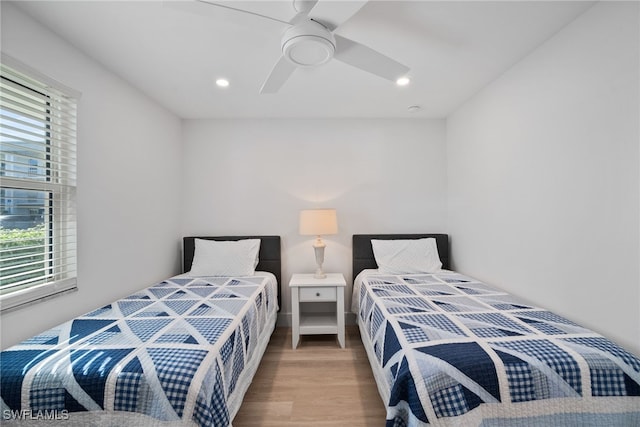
[318,222]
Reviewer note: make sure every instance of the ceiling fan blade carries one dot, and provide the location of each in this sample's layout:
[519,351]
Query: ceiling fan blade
[331,13]
[207,8]
[279,74]
[213,3]
[367,59]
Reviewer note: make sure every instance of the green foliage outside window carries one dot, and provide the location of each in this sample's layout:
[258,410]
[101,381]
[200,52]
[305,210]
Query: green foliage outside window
[22,250]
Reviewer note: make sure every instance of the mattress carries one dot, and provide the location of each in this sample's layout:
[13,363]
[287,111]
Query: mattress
[449,350]
[181,352]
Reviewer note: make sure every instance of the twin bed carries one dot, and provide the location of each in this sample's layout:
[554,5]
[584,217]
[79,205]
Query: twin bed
[449,350]
[181,352]
[444,349]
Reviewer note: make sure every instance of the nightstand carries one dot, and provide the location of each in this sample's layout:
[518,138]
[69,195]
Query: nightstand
[306,288]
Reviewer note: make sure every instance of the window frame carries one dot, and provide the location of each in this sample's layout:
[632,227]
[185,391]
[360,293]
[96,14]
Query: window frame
[59,205]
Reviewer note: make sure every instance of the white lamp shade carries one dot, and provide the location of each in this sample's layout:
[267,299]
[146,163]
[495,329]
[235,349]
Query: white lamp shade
[318,222]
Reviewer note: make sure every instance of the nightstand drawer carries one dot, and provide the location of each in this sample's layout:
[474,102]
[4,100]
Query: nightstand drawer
[318,294]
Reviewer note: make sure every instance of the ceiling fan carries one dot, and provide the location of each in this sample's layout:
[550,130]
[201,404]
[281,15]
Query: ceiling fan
[310,40]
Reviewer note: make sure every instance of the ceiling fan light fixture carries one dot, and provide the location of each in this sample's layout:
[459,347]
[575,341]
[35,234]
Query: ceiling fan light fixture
[308,51]
[308,44]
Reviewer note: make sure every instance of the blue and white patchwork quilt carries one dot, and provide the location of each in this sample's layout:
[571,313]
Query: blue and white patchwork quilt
[181,352]
[449,350]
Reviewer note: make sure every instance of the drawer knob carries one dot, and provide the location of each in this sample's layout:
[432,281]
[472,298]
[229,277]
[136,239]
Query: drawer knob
[317,294]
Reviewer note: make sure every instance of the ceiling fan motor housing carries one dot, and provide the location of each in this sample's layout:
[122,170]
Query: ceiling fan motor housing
[308,44]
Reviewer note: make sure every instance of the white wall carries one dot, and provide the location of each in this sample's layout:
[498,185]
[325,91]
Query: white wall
[128,181]
[543,175]
[253,177]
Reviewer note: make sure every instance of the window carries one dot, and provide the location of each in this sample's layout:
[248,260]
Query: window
[38,186]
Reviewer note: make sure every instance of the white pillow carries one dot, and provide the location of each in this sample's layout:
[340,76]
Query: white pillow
[406,256]
[225,258]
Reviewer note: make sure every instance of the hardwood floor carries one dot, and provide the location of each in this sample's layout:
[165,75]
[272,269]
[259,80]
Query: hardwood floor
[319,384]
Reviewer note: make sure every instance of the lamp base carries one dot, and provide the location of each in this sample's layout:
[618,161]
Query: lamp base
[318,248]
[319,274]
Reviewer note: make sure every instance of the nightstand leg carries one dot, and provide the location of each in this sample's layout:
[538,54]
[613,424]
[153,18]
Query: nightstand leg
[295,317]
[340,316]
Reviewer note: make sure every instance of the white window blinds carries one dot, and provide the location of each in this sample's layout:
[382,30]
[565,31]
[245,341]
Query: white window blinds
[38,188]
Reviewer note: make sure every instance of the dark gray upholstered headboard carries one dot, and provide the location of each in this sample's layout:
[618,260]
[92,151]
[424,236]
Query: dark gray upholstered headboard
[363,252]
[268,258]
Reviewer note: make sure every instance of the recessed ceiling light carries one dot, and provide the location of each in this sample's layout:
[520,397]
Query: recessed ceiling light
[414,108]
[403,81]
[222,82]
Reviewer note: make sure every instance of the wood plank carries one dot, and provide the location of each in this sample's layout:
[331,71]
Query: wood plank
[318,384]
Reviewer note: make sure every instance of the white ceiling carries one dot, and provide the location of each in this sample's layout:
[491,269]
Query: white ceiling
[453,48]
